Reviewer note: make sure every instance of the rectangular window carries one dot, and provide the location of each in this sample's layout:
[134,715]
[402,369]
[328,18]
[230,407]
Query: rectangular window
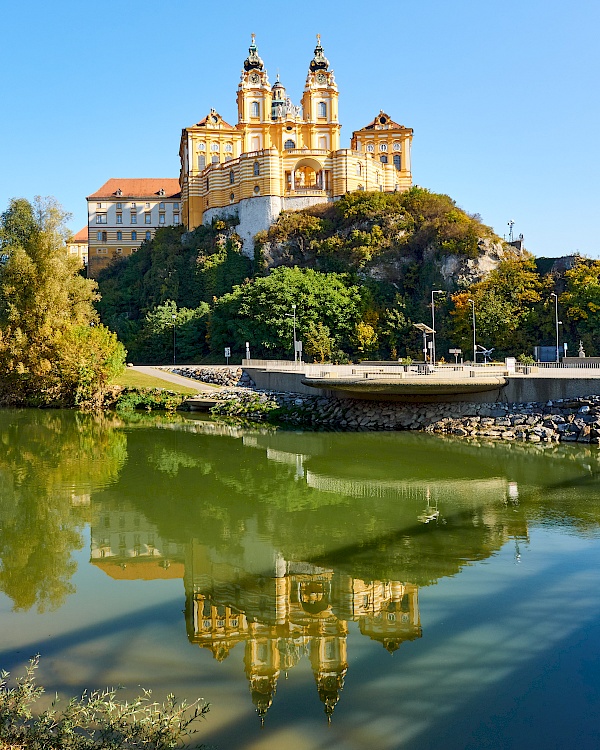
[119,218]
[201,161]
[147,219]
[147,205]
[176,206]
[99,236]
[162,206]
[119,206]
[98,205]
[100,218]
[161,219]
[119,250]
[175,218]
[134,205]
[134,218]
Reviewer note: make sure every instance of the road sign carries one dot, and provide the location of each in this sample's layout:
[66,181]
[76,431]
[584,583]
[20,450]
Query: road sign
[455,351]
[228,351]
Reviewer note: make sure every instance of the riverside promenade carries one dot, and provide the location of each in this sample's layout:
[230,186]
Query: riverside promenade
[491,383]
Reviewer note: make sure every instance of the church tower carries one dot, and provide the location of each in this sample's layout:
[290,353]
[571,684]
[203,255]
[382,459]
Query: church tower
[254,102]
[320,104]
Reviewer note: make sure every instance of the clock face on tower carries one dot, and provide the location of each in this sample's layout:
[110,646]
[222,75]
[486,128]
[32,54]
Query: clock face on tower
[254,78]
[321,78]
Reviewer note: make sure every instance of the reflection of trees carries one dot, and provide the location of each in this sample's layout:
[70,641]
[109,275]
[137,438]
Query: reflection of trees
[49,463]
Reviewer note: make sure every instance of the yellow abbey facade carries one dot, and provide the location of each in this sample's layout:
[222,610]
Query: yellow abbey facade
[280,156]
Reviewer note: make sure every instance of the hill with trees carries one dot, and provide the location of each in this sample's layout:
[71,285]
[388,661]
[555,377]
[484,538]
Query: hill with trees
[360,272]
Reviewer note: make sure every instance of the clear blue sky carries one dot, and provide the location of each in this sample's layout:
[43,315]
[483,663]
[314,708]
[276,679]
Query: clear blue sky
[503,96]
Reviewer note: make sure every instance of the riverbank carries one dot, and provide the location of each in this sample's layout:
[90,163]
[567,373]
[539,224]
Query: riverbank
[566,420]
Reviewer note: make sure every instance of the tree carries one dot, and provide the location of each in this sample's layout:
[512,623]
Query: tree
[505,308]
[260,311]
[155,342]
[318,342]
[582,302]
[44,306]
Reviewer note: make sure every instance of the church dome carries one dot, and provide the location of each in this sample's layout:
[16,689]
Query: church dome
[253,61]
[278,90]
[319,61]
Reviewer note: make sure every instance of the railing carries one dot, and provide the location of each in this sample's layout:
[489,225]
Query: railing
[310,190]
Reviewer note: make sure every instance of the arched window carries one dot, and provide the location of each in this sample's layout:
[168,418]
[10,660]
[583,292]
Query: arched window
[148,235]
[255,109]
[256,169]
[119,236]
[134,236]
[214,147]
[383,147]
[231,177]
[370,148]
[359,169]
[322,109]
[229,147]
[398,161]
[104,236]
[383,159]
[289,145]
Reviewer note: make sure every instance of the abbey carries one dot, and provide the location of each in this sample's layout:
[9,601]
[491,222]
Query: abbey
[280,156]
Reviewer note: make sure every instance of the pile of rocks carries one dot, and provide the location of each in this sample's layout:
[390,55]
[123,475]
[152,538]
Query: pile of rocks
[223,376]
[567,420]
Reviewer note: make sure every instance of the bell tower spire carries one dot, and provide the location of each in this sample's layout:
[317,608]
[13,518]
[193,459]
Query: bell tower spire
[254,100]
[320,103]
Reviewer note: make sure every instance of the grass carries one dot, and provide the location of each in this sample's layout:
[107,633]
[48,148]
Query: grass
[133,379]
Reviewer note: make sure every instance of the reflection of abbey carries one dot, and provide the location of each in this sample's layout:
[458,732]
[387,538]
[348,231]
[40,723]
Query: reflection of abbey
[283,610]
[280,156]
[280,610]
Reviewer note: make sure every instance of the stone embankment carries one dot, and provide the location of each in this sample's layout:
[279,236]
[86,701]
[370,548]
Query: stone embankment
[572,420]
[222,376]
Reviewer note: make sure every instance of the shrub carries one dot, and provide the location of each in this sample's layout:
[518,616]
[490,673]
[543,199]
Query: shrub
[95,721]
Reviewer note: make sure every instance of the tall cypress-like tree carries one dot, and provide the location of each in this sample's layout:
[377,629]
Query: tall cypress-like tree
[52,349]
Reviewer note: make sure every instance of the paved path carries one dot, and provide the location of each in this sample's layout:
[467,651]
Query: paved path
[170,378]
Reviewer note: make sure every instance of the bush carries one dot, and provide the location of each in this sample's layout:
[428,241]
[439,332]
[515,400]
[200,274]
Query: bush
[95,721]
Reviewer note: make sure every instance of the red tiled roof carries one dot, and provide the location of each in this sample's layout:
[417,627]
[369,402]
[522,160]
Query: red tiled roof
[138,187]
[81,236]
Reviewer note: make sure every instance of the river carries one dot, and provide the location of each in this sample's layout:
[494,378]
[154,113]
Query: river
[320,589]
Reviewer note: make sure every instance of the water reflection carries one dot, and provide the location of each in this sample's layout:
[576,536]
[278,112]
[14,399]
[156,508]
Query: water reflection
[286,543]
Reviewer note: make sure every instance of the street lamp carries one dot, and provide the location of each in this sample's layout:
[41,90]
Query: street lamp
[433,291]
[474,336]
[555,295]
[295,345]
[174,318]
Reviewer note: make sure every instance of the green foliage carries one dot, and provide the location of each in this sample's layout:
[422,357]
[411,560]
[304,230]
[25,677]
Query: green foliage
[47,355]
[149,399]
[189,270]
[318,342]
[253,406]
[95,721]
[581,301]
[155,340]
[260,312]
[504,308]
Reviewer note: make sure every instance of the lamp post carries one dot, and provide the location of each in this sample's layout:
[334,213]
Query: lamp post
[433,291]
[555,295]
[474,335]
[174,318]
[295,345]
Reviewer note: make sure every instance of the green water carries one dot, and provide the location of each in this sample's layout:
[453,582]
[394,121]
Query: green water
[321,590]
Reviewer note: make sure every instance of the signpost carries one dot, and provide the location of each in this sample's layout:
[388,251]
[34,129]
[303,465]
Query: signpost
[456,352]
[227,353]
[298,351]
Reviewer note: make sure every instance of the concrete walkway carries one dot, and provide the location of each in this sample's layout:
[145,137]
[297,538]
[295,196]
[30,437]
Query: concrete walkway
[170,378]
